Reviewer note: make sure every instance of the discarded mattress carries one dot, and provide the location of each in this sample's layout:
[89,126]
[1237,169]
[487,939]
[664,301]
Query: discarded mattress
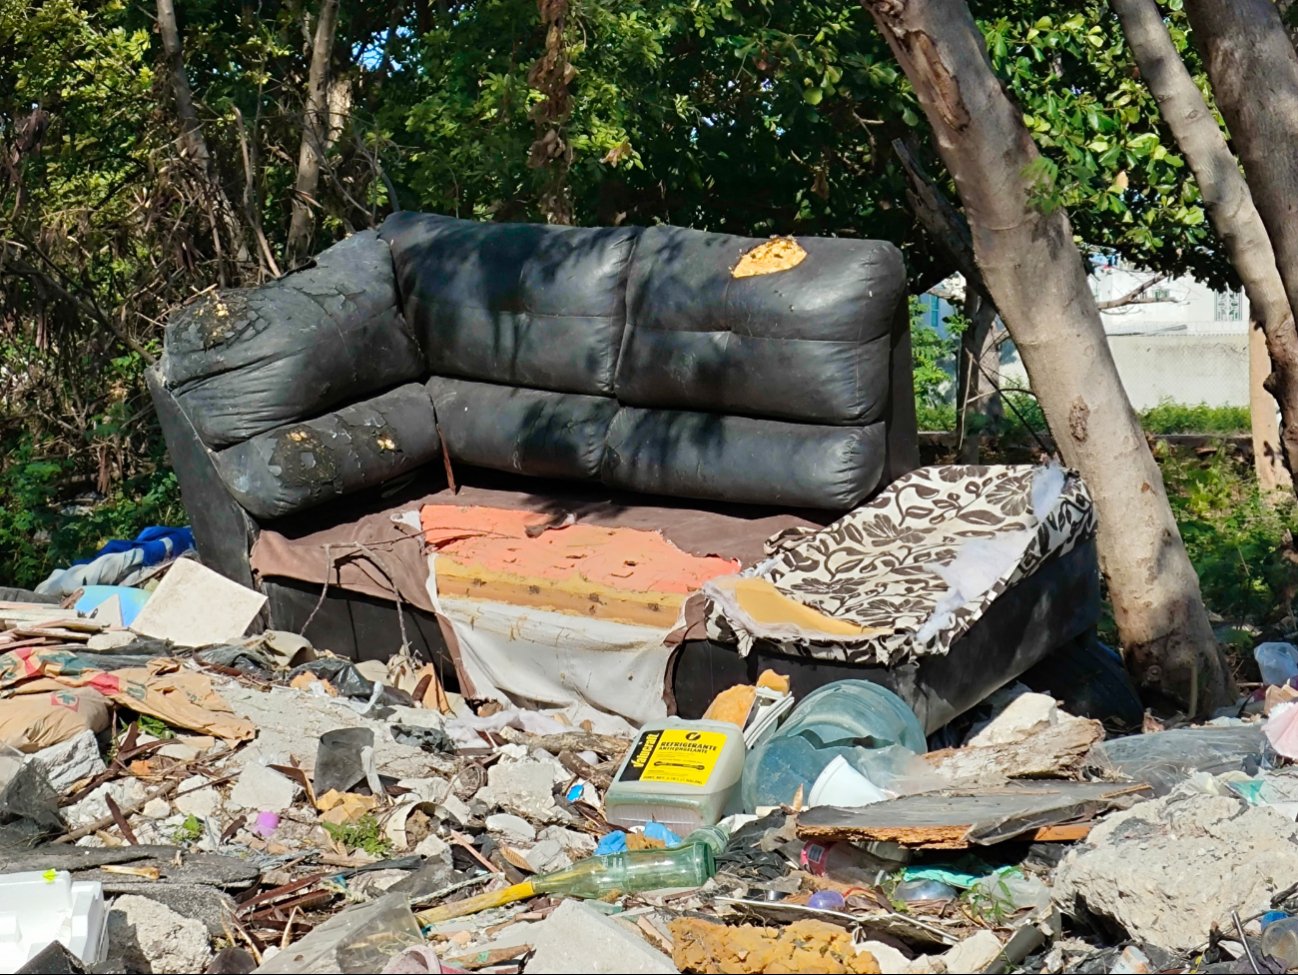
[907,574]
[525,559]
[546,610]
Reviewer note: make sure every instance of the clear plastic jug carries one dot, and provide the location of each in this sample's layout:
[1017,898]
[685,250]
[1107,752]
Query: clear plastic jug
[852,718]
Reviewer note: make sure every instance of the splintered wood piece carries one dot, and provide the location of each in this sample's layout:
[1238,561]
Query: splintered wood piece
[954,819]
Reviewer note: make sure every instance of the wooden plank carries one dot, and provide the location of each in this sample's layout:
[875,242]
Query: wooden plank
[954,819]
[1055,752]
[1063,833]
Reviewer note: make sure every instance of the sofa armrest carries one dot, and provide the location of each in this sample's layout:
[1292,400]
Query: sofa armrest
[903,427]
[222,529]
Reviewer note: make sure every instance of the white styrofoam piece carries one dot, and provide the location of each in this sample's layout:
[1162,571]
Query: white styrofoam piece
[194,607]
[37,908]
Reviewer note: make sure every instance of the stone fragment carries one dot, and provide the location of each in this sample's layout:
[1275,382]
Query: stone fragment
[70,761]
[1166,871]
[151,937]
[513,827]
[261,788]
[578,938]
[974,954]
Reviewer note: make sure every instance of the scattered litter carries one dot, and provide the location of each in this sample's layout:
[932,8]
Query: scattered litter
[37,908]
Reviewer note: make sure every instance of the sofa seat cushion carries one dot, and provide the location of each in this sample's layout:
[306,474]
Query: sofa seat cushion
[516,304]
[743,460]
[304,464]
[807,340]
[912,570]
[524,431]
[244,362]
[508,555]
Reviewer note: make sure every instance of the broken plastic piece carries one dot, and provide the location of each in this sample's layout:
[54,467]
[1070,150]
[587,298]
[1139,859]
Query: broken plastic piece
[39,907]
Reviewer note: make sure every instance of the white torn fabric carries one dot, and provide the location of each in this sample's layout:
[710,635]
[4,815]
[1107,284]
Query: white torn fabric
[535,657]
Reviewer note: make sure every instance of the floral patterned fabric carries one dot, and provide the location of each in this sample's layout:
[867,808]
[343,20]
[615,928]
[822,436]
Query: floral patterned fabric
[889,566]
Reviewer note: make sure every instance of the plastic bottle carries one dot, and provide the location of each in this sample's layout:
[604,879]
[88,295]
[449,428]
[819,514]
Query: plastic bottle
[1277,661]
[844,863]
[851,718]
[715,838]
[691,865]
[1280,941]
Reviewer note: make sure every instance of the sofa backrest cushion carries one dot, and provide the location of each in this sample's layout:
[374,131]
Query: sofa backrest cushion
[514,304]
[526,431]
[810,342]
[745,460]
[246,361]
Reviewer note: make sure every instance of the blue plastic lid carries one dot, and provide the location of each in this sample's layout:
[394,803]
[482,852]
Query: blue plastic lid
[1271,916]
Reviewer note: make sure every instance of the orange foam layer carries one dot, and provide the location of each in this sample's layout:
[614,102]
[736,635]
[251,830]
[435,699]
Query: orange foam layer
[625,559]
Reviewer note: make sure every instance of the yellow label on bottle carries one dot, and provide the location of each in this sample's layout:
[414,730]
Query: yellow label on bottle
[676,755]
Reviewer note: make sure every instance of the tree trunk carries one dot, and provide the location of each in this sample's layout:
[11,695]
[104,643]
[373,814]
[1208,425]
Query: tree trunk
[1024,246]
[315,135]
[1254,73]
[1268,459]
[1229,203]
[971,401]
[192,143]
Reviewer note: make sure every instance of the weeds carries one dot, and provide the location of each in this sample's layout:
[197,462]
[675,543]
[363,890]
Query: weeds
[190,831]
[365,834]
[156,727]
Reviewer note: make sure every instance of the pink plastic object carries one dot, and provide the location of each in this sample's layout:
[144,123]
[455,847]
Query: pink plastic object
[266,823]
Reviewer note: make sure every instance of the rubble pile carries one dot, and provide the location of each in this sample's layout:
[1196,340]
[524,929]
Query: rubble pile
[257,804]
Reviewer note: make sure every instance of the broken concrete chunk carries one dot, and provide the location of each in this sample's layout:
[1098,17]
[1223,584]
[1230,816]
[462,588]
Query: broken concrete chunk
[804,946]
[578,938]
[1168,870]
[156,809]
[1023,716]
[524,788]
[70,761]
[513,827]
[151,937]
[975,954]
[261,788]
[202,801]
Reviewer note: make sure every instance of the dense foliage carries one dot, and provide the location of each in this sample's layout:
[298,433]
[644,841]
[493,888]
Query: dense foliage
[747,116]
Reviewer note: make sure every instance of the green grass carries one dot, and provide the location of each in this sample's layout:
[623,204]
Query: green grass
[190,831]
[365,834]
[1169,417]
[1237,540]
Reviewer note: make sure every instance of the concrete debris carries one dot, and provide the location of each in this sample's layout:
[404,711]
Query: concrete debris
[526,789]
[70,761]
[1025,715]
[578,938]
[976,954]
[196,798]
[261,788]
[1168,870]
[514,827]
[151,937]
[430,857]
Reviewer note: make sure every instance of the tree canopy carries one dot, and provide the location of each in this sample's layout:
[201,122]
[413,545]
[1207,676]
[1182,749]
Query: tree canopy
[745,116]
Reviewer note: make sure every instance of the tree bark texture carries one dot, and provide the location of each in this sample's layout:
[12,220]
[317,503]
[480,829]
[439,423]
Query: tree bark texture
[1235,218]
[1023,243]
[1268,458]
[192,143]
[315,135]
